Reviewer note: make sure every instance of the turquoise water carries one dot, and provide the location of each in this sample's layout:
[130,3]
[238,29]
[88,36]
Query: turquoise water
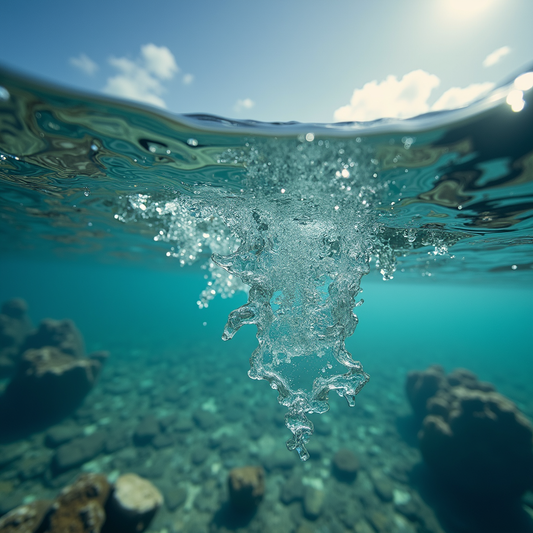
[110,213]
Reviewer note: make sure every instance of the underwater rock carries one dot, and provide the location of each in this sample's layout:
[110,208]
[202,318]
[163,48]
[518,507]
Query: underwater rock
[422,385]
[293,490]
[313,502]
[60,334]
[132,505]
[345,465]
[26,518]
[246,487]
[59,435]
[146,431]
[478,443]
[174,497]
[15,325]
[77,452]
[47,386]
[80,506]
[204,419]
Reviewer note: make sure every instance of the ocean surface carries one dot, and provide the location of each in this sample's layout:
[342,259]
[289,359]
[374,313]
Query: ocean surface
[110,214]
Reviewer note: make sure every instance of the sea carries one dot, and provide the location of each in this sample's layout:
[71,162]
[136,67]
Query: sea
[352,254]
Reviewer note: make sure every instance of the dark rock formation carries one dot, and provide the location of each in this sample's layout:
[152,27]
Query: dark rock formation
[474,440]
[132,505]
[422,385]
[478,442]
[47,386]
[14,327]
[61,334]
[246,488]
[345,465]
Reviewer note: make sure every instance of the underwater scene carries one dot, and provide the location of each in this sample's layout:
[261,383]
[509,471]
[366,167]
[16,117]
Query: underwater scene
[383,382]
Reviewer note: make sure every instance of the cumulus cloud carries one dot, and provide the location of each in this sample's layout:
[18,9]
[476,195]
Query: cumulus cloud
[495,56]
[390,98]
[408,97]
[241,105]
[142,80]
[460,97]
[188,79]
[84,63]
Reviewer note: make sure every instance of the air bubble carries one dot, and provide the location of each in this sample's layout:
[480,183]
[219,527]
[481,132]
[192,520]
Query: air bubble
[192,142]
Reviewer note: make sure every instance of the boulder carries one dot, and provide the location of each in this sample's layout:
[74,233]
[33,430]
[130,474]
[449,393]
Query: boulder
[80,506]
[15,325]
[59,435]
[26,518]
[77,452]
[345,465]
[246,488]
[132,505]
[146,431]
[60,334]
[313,502]
[423,385]
[47,386]
[478,443]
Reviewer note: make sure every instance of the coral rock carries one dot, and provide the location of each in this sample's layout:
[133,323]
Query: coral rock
[246,487]
[26,518]
[80,506]
[132,505]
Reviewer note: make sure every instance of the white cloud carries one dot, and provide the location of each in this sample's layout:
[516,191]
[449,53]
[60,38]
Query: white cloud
[408,97]
[460,97]
[495,56]
[142,79]
[159,61]
[391,98]
[188,79]
[84,63]
[241,105]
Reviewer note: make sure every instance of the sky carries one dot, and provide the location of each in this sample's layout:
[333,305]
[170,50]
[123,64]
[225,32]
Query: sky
[308,61]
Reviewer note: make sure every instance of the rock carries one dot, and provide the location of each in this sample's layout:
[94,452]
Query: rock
[47,386]
[292,490]
[10,502]
[117,439]
[246,487]
[80,506]
[146,431]
[199,455]
[132,505]
[60,334]
[175,497]
[313,502]
[61,434]
[204,419]
[77,452]
[478,444]
[34,466]
[26,518]
[10,453]
[345,465]
[279,460]
[163,440]
[422,385]
[14,327]
[382,486]
[379,520]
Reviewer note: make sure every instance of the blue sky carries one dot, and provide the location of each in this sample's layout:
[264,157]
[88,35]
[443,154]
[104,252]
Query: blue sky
[309,61]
